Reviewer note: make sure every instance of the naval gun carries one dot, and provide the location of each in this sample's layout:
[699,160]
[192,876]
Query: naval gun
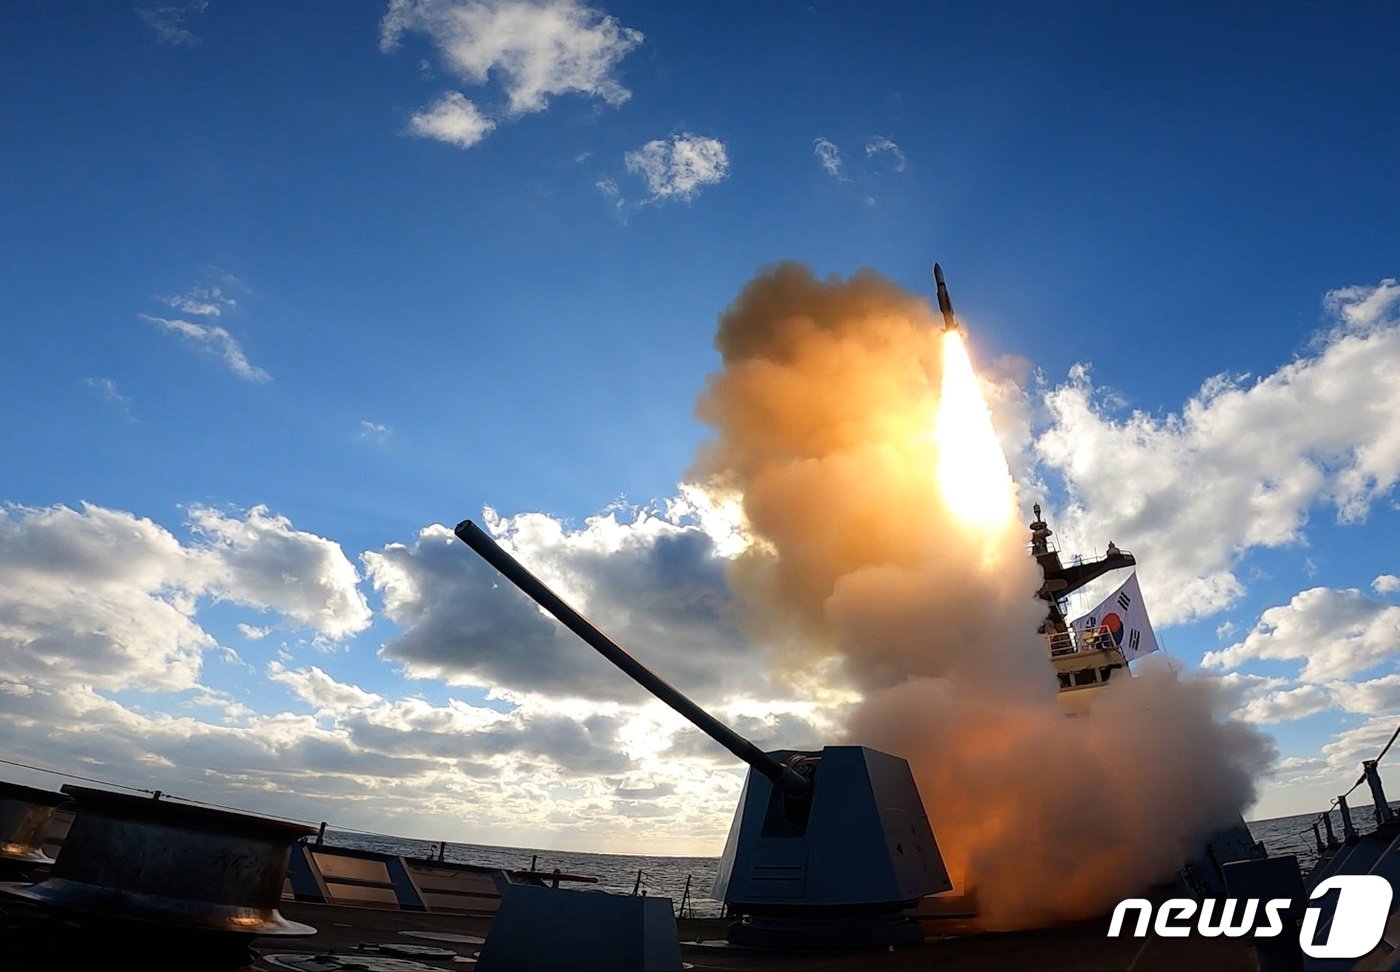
[827,849]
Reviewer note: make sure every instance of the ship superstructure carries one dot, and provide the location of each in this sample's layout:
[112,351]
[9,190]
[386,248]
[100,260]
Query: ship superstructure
[1082,658]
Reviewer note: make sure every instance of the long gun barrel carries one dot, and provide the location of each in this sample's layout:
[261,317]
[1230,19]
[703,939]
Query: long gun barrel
[782,776]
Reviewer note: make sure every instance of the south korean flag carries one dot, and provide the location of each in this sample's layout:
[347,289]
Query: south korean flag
[1121,621]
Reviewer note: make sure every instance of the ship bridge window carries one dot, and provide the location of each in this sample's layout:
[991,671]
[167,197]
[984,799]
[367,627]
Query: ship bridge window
[1106,671]
[1064,680]
[1086,676]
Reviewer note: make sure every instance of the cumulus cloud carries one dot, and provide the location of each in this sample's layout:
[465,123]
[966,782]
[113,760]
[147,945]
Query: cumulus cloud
[1345,751]
[170,21]
[1334,768]
[535,49]
[1360,308]
[879,146]
[1239,688]
[828,155]
[577,746]
[97,596]
[261,560]
[452,119]
[415,768]
[1338,633]
[319,690]
[1242,463]
[1286,704]
[795,725]
[94,601]
[1370,696]
[655,585]
[214,340]
[1386,584]
[281,761]
[680,166]
[105,598]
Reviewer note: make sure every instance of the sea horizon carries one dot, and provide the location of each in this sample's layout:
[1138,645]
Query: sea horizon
[667,875]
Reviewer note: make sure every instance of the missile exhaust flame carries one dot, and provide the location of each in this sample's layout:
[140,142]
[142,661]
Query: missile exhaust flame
[972,471]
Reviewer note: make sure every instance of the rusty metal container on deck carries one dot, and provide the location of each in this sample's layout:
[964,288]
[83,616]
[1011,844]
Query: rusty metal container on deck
[196,868]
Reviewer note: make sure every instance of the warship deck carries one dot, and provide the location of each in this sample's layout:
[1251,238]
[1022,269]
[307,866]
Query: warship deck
[384,940]
[356,938]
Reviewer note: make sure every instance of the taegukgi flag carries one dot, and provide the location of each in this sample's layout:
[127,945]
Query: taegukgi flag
[1121,620]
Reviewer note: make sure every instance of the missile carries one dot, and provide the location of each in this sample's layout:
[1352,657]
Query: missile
[945,303]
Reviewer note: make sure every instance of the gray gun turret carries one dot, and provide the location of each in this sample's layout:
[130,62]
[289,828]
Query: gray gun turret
[825,848]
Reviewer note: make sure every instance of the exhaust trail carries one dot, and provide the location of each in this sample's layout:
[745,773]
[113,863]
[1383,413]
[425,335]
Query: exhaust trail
[852,427]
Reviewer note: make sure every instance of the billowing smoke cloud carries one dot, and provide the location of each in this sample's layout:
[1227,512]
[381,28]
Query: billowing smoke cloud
[825,417]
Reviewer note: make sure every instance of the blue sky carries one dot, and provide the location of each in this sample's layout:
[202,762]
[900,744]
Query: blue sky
[286,286]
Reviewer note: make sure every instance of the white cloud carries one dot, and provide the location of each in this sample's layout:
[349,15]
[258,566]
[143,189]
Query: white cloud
[108,599]
[96,596]
[169,21]
[1386,584]
[261,561]
[1348,748]
[1296,763]
[655,585]
[1260,699]
[1286,704]
[828,155]
[680,166]
[452,119]
[107,388]
[1337,634]
[1241,464]
[609,190]
[214,340]
[403,766]
[377,431]
[1240,688]
[203,301]
[319,690]
[1225,629]
[94,601]
[230,710]
[245,764]
[879,145]
[719,516]
[252,632]
[1369,697]
[535,49]
[1360,308]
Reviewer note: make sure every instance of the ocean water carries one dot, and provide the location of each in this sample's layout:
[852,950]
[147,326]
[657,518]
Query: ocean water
[667,876]
[1294,835]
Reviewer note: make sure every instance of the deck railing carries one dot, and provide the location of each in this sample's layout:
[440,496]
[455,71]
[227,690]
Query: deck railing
[1382,812]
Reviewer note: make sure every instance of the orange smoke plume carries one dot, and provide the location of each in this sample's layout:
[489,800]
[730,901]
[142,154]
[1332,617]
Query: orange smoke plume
[888,537]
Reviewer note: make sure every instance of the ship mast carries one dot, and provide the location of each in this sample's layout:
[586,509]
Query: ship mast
[1077,665]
